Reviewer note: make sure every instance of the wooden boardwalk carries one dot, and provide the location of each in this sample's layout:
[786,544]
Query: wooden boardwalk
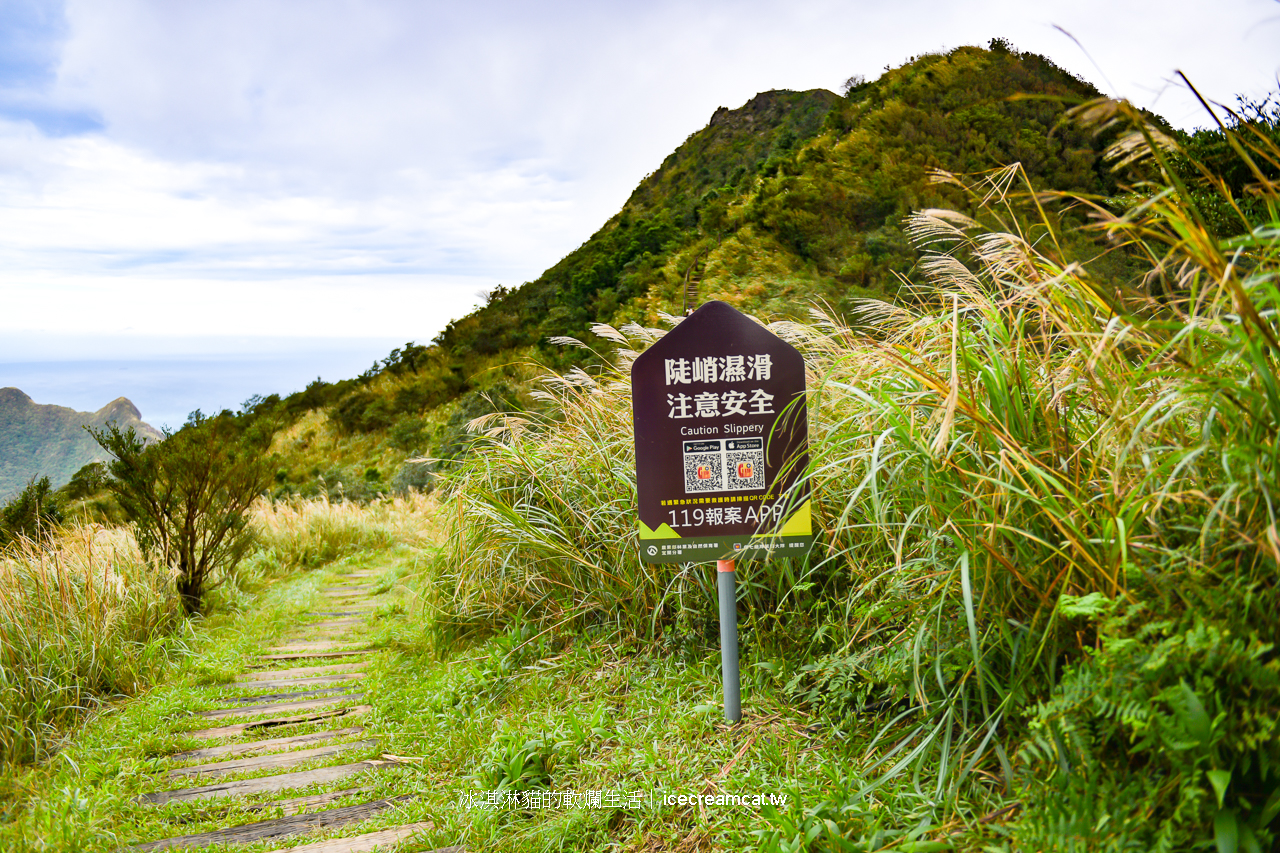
[293,728]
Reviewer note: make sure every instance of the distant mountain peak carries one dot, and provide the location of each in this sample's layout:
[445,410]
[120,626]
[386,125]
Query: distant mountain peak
[42,440]
[732,146]
[14,395]
[121,408]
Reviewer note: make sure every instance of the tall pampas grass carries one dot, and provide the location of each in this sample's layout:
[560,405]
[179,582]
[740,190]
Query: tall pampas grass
[83,618]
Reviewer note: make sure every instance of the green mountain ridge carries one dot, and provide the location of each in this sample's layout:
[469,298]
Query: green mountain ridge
[616,266]
[44,440]
[793,199]
[801,194]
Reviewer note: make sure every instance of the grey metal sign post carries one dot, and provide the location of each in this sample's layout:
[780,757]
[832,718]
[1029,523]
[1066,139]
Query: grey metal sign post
[721,432]
[727,589]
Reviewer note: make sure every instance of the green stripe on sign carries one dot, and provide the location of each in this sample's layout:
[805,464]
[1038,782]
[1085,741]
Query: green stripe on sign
[664,531]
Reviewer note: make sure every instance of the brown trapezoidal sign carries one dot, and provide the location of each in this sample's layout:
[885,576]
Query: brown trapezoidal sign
[721,430]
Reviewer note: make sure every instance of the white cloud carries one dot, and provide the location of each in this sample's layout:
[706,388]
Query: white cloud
[325,161]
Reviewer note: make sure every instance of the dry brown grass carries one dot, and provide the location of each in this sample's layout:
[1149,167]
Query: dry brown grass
[81,618]
[308,533]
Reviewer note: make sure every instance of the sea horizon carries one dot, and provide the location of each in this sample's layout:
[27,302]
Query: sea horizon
[167,379]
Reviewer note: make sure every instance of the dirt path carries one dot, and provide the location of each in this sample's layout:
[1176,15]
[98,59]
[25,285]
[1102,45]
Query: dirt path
[288,725]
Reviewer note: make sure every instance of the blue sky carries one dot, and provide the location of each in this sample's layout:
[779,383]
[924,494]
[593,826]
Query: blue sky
[342,170]
[31,39]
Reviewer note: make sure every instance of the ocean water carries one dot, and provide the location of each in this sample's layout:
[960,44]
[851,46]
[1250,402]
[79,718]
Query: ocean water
[166,386]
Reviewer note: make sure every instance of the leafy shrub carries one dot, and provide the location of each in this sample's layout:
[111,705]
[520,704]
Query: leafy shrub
[1170,725]
[363,410]
[411,432]
[428,391]
[88,481]
[34,514]
[456,439]
[415,476]
[187,495]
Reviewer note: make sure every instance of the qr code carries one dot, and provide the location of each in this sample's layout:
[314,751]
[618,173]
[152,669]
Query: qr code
[703,472]
[746,470]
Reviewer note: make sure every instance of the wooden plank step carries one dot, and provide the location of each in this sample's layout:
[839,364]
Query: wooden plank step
[316,655]
[280,827]
[310,646]
[305,671]
[286,683]
[296,695]
[295,805]
[241,728]
[265,784]
[270,707]
[336,623]
[370,841]
[264,745]
[297,682]
[363,611]
[275,759]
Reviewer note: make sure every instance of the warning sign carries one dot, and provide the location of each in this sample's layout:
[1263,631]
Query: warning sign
[721,441]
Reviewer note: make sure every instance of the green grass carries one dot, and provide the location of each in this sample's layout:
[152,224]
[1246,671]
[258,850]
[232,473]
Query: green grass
[516,712]
[85,620]
[81,798]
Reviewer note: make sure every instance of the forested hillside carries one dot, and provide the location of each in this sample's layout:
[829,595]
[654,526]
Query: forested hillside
[50,441]
[792,199]
[803,195]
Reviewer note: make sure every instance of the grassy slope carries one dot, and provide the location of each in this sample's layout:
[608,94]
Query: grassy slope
[516,712]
